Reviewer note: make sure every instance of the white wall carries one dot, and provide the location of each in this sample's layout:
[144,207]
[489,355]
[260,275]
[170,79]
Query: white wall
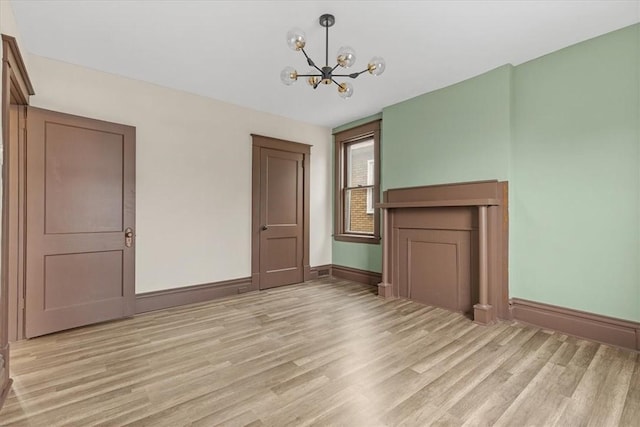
[193,177]
[8,24]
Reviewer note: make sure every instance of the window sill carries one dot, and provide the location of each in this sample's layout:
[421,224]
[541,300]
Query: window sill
[356,238]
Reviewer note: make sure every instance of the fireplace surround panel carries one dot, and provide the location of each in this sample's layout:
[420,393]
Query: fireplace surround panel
[446,246]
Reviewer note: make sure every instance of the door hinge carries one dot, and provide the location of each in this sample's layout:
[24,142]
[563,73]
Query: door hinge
[22,304]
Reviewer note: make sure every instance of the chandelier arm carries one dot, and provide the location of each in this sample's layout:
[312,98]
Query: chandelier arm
[336,82]
[309,75]
[310,61]
[352,75]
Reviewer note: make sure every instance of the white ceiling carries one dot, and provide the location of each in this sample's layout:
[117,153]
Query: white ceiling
[234,50]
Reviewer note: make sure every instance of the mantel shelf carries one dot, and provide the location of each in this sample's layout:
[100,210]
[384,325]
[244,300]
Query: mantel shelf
[439,203]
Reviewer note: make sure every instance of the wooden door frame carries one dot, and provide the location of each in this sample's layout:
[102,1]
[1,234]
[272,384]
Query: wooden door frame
[16,89]
[16,222]
[259,142]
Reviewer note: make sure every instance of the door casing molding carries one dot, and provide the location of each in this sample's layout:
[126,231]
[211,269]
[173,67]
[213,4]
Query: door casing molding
[16,89]
[260,142]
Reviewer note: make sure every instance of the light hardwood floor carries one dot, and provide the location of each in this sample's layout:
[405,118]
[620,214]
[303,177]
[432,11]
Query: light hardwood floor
[328,352]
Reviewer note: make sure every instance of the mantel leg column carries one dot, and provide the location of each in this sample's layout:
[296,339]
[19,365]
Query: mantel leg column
[385,289]
[483,311]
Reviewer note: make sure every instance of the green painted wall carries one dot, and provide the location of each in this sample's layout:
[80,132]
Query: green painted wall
[564,129]
[575,178]
[358,255]
[459,133]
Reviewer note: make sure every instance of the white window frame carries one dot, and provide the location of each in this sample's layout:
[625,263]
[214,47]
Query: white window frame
[370,171]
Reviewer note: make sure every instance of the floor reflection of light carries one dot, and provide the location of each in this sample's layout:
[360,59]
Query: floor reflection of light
[14,399]
[362,361]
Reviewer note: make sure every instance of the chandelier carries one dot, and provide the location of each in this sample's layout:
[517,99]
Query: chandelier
[346,58]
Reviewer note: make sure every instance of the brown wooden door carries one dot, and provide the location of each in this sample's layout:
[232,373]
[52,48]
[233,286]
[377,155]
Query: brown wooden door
[80,199]
[281,216]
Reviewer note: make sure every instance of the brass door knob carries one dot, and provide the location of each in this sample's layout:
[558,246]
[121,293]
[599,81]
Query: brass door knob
[128,237]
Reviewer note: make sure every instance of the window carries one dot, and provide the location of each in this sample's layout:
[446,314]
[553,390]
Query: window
[356,184]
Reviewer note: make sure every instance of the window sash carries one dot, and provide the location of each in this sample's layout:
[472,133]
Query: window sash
[347,211]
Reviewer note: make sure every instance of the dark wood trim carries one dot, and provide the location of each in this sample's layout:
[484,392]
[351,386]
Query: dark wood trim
[354,238]
[255,217]
[16,89]
[359,132]
[16,180]
[17,64]
[174,297]
[459,192]
[441,203]
[321,271]
[491,195]
[167,298]
[340,139]
[258,142]
[596,327]
[281,144]
[500,219]
[356,275]
[307,210]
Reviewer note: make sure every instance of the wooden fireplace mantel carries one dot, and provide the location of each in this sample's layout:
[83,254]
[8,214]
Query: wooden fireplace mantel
[475,216]
[440,203]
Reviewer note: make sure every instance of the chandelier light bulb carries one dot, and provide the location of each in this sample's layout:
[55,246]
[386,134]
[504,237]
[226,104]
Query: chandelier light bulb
[346,56]
[345,90]
[376,66]
[313,80]
[296,39]
[288,76]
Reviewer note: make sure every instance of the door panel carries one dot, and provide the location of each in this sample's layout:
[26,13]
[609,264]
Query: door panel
[281,214]
[80,198]
[86,277]
[286,249]
[83,169]
[282,188]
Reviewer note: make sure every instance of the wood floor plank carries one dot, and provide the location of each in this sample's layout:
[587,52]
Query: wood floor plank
[631,411]
[328,352]
[611,396]
[448,383]
[584,397]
